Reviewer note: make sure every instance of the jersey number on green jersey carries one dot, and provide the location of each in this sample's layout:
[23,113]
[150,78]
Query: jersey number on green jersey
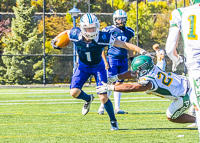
[192,31]
[165,80]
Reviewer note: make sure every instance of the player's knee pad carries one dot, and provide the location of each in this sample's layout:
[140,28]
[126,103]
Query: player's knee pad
[178,107]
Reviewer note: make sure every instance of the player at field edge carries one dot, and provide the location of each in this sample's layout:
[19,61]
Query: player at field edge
[90,42]
[186,21]
[153,80]
[116,60]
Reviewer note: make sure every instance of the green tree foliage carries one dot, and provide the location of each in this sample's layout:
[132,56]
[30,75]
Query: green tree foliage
[6,5]
[145,23]
[53,26]
[83,6]
[161,27]
[157,6]
[120,4]
[60,6]
[101,6]
[24,40]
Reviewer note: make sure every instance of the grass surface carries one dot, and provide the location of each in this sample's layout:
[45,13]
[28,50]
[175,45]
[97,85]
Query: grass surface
[51,115]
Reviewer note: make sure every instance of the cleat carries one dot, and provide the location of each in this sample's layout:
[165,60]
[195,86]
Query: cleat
[86,106]
[194,125]
[101,111]
[119,111]
[114,125]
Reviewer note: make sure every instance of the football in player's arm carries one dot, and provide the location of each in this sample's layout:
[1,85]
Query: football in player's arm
[151,80]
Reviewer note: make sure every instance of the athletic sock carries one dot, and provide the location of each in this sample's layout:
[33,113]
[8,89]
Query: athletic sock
[84,96]
[117,98]
[109,108]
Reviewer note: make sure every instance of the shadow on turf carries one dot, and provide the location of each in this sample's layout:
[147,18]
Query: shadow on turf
[146,113]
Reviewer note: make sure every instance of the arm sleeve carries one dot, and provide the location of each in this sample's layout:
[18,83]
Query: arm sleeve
[171,43]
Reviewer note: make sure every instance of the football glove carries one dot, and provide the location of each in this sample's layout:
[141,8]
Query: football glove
[113,78]
[143,52]
[53,42]
[175,64]
[104,88]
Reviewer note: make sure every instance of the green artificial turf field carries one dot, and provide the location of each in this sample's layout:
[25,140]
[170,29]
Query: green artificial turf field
[51,115]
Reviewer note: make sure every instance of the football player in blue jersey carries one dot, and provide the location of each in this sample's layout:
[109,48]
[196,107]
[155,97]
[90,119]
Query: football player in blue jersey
[117,61]
[90,42]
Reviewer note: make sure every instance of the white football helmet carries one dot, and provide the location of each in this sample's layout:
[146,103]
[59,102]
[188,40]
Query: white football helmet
[89,20]
[119,14]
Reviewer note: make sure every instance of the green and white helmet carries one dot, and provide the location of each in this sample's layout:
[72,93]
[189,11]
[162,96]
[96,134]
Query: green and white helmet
[142,65]
[192,2]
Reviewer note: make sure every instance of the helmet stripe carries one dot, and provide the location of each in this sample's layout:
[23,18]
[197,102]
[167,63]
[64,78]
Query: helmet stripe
[120,12]
[90,18]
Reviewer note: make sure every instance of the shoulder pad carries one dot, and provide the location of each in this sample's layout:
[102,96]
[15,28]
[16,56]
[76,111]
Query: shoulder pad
[108,28]
[131,30]
[74,34]
[105,38]
[175,18]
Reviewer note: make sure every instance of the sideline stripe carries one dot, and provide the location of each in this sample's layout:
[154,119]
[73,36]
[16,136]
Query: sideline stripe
[97,134]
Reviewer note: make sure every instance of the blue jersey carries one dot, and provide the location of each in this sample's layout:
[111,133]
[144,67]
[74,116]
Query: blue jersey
[125,35]
[90,53]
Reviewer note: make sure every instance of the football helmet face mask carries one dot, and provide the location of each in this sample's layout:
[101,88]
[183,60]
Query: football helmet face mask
[192,2]
[119,17]
[87,23]
[142,65]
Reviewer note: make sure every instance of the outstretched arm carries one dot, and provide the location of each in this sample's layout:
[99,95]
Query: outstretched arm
[133,87]
[124,75]
[129,46]
[127,75]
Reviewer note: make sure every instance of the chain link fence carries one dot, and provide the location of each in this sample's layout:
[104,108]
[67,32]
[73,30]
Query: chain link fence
[59,67]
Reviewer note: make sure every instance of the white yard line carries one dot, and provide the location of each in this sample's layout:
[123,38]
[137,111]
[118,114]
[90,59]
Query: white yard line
[67,91]
[69,99]
[79,102]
